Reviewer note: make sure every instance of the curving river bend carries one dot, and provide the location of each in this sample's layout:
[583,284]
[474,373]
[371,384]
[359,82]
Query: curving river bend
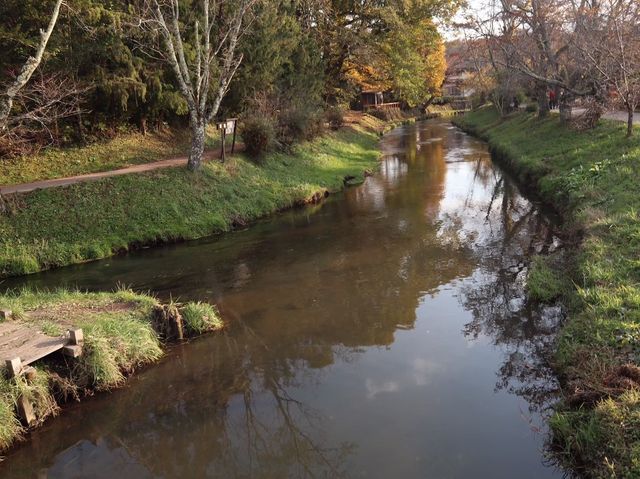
[383,334]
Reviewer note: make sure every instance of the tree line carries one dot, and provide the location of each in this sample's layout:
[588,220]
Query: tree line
[78,70]
[570,50]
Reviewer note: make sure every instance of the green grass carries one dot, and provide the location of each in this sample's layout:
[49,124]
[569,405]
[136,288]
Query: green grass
[441,110]
[591,178]
[10,427]
[62,226]
[126,149]
[119,338]
[116,344]
[544,282]
[200,318]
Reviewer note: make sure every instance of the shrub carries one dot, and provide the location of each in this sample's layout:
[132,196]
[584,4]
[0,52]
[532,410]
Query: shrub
[200,318]
[386,114]
[258,134]
[531,107]
[297,124]
[335,117]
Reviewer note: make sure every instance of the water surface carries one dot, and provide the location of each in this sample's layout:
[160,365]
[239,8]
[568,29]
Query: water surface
[382,334]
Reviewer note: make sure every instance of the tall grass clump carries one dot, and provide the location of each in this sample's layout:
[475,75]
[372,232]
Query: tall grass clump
[200,318]
[10,427]
[115,345]
[36,391]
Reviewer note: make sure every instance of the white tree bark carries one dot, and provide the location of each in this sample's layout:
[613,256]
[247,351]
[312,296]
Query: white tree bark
[6,100]
[203,96]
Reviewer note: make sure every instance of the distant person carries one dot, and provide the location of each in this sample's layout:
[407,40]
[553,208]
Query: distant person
[553,102]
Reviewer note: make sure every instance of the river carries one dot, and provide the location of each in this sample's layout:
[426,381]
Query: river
[383,334]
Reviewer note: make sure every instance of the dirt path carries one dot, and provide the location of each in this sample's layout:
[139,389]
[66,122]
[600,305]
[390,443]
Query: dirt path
[70,180]
[612,115]
[621,116]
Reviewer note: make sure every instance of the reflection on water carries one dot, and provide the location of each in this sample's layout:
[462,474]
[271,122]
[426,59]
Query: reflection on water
[385,333]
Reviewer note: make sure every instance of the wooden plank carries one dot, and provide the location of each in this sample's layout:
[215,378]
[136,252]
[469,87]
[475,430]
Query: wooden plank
[19,341]
[14,367]
[25,411]
[76,336]
[73,351]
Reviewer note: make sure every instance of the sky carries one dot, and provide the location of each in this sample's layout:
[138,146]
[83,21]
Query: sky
[474,6]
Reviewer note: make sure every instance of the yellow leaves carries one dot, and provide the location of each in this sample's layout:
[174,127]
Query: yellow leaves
[367,77]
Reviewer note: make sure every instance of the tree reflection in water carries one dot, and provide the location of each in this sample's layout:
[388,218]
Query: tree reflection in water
[308,294]
[524,330]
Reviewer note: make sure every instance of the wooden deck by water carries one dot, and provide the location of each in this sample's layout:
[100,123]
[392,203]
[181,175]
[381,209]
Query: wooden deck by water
[18,340]
[22,344]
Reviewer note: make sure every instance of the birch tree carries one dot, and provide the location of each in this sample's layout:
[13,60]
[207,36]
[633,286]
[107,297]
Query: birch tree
[203,55]
[8,96]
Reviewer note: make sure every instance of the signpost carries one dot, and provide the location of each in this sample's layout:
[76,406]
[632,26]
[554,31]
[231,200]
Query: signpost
[228,127]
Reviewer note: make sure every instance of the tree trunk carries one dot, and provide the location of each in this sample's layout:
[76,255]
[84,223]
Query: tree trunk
[629,122]
[543,101]
[197,146]
[7,97]
[565,112]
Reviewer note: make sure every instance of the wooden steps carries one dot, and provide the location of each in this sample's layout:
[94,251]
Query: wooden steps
[21,345]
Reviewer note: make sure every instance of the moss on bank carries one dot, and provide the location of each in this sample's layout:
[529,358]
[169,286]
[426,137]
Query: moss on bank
[591,178]
[119,338]
[61,226]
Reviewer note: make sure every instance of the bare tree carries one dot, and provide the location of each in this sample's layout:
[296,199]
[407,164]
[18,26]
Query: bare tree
[609,41]
[7,97]
[38,108]
[532,38]
[203,77]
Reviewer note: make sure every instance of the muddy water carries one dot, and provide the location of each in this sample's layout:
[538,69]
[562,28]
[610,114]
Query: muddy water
[383,334]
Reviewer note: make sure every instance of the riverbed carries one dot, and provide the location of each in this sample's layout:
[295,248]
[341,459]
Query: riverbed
[384,333]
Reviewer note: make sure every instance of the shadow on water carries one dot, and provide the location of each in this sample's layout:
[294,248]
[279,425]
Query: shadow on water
[385,333]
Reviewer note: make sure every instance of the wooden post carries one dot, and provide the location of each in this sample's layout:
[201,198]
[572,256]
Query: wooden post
[76,337]
[224,153]
[14,367]
[25,411]
[235,126]
[223,133]
[74,348]
[72,351]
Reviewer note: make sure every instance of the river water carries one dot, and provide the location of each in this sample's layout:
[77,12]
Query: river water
[382,334]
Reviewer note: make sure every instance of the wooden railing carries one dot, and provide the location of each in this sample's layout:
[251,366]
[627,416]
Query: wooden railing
[383,106]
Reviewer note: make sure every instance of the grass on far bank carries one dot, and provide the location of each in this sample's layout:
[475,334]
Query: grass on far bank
[126,149]
[119,338]
[61,226]
[591,177]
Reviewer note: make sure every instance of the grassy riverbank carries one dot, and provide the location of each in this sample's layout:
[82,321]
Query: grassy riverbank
[121,332]
[62,226]
[126,149]
[591,178]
